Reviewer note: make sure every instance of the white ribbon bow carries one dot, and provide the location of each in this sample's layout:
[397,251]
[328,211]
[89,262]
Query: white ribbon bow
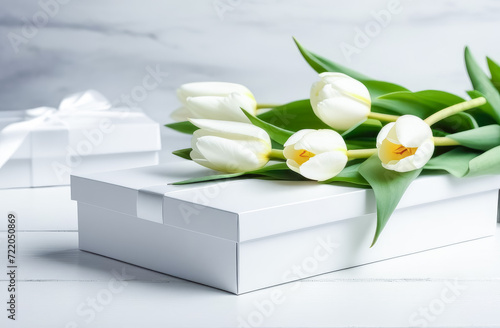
[88,103]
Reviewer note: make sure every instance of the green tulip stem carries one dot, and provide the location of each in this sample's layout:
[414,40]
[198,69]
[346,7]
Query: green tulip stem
[445,141]
[277,154]
[383,117]
[263,105]
[360,153]
[457,108]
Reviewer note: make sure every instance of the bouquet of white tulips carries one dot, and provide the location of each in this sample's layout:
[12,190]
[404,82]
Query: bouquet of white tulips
[353,130]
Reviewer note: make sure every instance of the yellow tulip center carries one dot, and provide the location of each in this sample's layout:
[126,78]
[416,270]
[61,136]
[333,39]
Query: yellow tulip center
[301,156]
[390,151]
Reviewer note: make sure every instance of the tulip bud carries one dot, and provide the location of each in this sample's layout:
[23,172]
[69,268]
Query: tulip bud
[340,101]
[405,145]
[214,100]
[229,147]
[316,154]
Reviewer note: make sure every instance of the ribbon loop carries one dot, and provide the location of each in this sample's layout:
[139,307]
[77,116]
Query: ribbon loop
[89,100]
[39,111]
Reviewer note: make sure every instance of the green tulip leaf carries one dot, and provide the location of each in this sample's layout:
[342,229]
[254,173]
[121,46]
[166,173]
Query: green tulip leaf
[183,153]
[394,106]
[278,171]
[380,88]
[482,83]
[455,162]
[458,122]
[369,128]
[495,72]
[434,99]
[486,163]
[484,115]
[209,178]
[439,133]
[294,116]
[183,127]
[321,64]
[423,104]
[462,162]
[361,143]
[349,174]
[388,186]
[276,133]
[483,138]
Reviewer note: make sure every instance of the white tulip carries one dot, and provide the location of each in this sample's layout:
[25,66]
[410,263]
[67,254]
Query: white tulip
[198,89]
[229,147]
[405,145]
[214,100]
[340,101]
[316,154]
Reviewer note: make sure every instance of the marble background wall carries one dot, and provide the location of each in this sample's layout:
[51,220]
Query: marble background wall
[50,48]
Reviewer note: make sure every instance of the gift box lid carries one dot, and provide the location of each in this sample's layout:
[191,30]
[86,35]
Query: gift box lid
[246,209]
[84,124]
[131,131]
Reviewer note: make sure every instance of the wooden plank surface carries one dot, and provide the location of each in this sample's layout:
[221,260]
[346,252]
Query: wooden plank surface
[458,285]
[371,303]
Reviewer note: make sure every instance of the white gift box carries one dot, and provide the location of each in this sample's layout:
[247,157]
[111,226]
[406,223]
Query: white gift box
[43,146]
[244,235]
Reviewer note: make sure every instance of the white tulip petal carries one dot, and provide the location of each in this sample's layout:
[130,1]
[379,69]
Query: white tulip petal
[329,91]
[254,145]
[198,158]
[423,153]
[297,136]
[289,151]
[412,131]
[199,134]
[181,114]
[392,136]
[324,166]
[247,103]
[315,93]
[326,75]
[216,108]
[330,75]
[197,89]
[384,132]
[293,165]
[321,141]
[195,154]
[228,156]
[206,107]
[346,85]
[341,113]
[232,130]
[205,163]
[404,165]
[205,132]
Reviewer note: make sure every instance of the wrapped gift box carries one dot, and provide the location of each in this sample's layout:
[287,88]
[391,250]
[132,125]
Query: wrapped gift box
[243,235]
[43,146]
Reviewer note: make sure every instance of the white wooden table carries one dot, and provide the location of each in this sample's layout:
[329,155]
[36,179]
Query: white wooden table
[61,286]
